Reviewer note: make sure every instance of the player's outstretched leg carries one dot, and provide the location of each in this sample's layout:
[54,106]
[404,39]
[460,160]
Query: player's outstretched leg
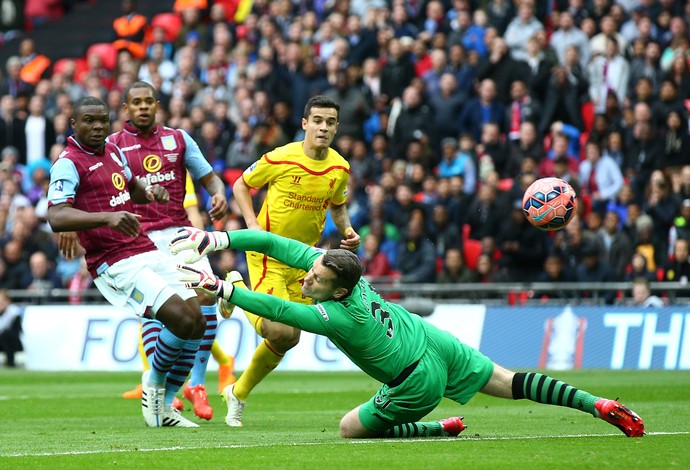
[226,366]
[235,407]
[541,388]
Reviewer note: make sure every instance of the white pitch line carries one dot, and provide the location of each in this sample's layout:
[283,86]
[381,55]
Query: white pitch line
[342,442]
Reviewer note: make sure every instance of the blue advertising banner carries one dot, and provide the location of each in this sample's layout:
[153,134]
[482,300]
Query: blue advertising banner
[588,337]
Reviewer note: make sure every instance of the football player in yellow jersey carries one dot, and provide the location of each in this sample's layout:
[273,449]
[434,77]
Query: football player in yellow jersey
[226,363]
[304,180]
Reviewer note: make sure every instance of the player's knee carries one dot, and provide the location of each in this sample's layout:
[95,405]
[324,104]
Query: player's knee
[281,337]
[205,299]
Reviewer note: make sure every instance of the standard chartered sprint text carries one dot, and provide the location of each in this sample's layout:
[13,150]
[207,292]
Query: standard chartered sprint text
[305,202]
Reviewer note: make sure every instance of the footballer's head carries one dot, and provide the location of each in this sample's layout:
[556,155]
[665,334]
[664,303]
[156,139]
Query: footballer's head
[333,276]
[320,123]
[141,105]
[90,122]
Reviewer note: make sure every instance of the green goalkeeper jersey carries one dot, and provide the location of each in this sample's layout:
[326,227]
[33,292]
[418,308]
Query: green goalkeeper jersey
[381,338]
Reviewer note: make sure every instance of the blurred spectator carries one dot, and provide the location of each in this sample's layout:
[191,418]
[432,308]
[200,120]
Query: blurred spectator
[643,156]
[679,74]
[617,246]
[447,102]
[16,265]
[354,108]
[501,68]
[592,270]
[457,162]
[565,91]
[676,143]
[34,65]
[642,294]
[12,127]
[79,282]
[600,177]
[523,247]
[522,108]
[442,232]
[646,244]
[397,72]
[677,269]
[521,28]
[375,262]
[484,109]
[416,258]
[41,278]
[10,328]
[567,35]
[608,72]
[538,69]
[455,271]
[414,122]
[242,151]
[662,206]
[484,216]
[500,13]
[487,271]
[39,131]
[648,66]
[554,272]
[608,29]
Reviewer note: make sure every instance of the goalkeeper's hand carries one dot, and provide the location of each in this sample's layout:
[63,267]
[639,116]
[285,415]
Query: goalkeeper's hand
[198,242]
[194,278]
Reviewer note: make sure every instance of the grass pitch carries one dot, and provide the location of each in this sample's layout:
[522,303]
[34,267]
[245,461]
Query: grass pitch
[77,420]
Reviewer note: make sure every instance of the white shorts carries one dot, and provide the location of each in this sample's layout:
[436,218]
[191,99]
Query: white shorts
[142,283]
[161,238]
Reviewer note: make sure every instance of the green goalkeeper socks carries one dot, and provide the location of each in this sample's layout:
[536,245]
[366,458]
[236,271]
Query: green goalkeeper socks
[544,389]
[418,429]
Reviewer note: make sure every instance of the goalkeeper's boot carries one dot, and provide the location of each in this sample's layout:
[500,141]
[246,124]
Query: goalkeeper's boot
[197,395]
[152,406]
[135,393]
[226,307]
[235,407]
[620,416]
[452,426]
[173,418]
[226,375]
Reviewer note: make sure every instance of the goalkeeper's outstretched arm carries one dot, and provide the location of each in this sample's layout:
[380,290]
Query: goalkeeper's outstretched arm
[199,243]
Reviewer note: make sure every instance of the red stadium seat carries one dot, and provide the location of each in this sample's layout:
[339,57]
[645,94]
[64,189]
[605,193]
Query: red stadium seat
[170,22]
[107,53]
[471,249]
[231,175]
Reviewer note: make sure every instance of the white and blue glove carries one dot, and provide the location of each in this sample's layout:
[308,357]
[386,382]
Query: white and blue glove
[198,242]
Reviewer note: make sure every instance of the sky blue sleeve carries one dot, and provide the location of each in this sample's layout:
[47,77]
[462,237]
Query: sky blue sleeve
[194,160]
[64,181]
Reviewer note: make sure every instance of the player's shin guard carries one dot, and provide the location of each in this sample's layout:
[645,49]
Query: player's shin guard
[265,359]
[544,389]
[198,375]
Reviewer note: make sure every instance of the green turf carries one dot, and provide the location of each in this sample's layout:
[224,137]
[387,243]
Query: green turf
[77,420]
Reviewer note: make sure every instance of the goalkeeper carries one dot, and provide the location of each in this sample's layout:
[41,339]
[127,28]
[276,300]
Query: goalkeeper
[417,363]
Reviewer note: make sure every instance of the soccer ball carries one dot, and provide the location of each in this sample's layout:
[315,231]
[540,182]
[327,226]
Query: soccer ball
[549,203]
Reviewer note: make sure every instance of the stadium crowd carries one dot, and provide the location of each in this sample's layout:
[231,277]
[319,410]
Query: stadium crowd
[450,109]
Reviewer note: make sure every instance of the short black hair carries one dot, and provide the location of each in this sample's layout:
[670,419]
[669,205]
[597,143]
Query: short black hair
[320,101]
[139,84]
[86,101]
[346,266]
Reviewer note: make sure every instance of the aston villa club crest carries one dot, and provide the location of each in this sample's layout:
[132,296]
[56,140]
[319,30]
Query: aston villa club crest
[168,142]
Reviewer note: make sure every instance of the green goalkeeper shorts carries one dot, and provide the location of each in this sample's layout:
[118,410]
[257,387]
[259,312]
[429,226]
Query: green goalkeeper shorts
[449,368]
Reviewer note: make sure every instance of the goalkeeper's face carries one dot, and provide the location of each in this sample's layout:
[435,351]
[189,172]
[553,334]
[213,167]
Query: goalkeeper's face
[320,283]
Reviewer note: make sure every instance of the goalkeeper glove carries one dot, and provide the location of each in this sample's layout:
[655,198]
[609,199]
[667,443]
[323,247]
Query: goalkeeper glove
[198,242]
[208,282]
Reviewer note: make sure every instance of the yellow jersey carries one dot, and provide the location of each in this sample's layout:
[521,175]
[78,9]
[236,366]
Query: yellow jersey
[190,198]
[300,189]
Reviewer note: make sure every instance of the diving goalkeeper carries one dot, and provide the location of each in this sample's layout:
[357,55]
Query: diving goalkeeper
[417,363]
